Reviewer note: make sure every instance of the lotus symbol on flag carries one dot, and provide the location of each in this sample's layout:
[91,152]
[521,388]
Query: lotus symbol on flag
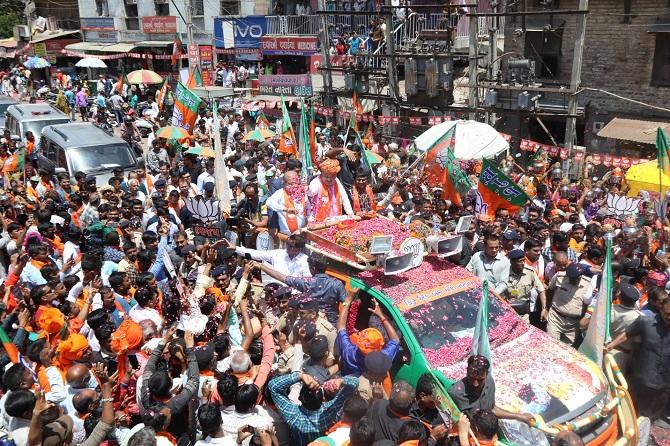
[622,206]
[207,211]
[442,158]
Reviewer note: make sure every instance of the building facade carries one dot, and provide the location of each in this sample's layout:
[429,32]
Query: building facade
[626,53]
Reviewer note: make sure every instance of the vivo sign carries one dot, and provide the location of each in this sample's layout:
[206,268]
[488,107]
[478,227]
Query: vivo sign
[244,32]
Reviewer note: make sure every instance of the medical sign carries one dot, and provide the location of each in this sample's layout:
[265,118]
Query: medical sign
[239,32]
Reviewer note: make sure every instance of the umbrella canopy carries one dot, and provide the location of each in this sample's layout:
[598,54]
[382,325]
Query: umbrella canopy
[373,158]
[172,132]
[36,62]
[474,140]
[201,151]
[144,77]
[646,176]
[91,62]
[259,134]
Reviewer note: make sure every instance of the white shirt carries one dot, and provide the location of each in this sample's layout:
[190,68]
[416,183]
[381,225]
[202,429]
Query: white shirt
[258,418]
[221,441]
[315,187]
[203,178]
[276,203]
[279,260]
[138,314]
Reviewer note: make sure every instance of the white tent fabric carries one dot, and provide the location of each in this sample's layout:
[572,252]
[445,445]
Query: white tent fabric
[474,140]
[91,62]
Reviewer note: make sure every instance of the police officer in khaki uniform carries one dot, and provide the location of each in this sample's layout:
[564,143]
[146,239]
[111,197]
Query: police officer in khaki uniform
[569,293]
[524,287]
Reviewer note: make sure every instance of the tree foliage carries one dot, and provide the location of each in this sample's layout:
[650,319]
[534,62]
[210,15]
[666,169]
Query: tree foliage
[7,22]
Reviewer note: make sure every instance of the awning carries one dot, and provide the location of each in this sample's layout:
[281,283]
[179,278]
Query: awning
[8,43]
[101,47]
[118,48]
[149,43]
[84,46]
[48,35]
[633,130]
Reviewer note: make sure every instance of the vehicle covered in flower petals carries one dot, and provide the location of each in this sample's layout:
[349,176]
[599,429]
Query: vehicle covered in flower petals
[434,308]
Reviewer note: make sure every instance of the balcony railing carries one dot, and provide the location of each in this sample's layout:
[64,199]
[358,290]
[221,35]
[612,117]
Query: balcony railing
[403,32]
[300,25]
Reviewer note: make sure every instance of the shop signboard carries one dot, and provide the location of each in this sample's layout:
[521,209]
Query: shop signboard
[285,84]
[100,36]
[239,32]
[206,64]
[290,45]
[192,55]
[98,23]
[157,24]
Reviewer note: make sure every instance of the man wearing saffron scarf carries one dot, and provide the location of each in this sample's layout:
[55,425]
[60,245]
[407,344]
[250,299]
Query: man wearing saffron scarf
[327,194]
[362,196]
[290,203]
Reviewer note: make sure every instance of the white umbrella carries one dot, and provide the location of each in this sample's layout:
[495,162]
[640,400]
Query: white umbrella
[474,140]
[91,62]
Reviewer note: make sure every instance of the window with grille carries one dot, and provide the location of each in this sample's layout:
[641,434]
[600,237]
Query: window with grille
[162,8]
[198,7]
[230,7]
[660,75]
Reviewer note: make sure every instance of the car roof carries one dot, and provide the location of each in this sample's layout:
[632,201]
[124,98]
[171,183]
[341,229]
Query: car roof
[35,112]
[80,134]
[6,99]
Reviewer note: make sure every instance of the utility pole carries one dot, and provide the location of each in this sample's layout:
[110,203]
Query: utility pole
[392,63]
[575,79]
[189,32]
[493,54]
[326,73]
[473,57]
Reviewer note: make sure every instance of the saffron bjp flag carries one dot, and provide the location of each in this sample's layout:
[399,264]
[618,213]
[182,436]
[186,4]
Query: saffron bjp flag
[480,337]
[15,162]
[177,49]
[161,95]
[186,105]
[441,169]
[358,108]
[287,142]
[497,191]
[194,79]
[662,148]
[598,333]
[121,81]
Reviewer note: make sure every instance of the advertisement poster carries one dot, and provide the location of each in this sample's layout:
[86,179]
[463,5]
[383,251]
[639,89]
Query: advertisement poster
[239,32]
[206,64]
[186,104]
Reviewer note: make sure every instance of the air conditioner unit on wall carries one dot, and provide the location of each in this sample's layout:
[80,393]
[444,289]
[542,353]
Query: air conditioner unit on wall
[162,2]
[131,2]
[21,31]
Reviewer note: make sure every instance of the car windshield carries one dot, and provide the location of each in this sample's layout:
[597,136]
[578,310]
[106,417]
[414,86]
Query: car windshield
[4,106]
[37,126]
[444,327]
[95,158]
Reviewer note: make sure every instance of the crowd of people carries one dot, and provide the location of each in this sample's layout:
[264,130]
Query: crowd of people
[122,325]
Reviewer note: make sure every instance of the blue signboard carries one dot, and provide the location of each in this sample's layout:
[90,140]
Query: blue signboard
[239,32]
[98,23]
